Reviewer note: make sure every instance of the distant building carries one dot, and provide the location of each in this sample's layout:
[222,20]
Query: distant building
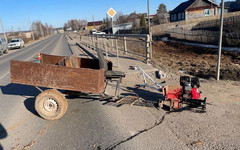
[94,25]
[193,9]
[151,17]
[232,5]
[123,26]
[27,35]
[134,19]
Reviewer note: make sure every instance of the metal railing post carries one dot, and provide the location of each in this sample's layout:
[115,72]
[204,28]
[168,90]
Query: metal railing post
[125,44]
[105,47]
[116,43]
[112,44]
[147,49]
[92,42]
[96,42]
[89,43]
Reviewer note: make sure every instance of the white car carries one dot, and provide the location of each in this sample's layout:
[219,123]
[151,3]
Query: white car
[16,43]
[99,32]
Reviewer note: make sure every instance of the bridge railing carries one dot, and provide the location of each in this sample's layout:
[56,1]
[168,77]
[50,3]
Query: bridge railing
[136,44]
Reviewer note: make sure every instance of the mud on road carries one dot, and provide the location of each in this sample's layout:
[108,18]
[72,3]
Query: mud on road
[193,60]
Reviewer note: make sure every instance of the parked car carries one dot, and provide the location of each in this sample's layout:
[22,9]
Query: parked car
[16,43]
[100,32]
[93,31]
[3,46]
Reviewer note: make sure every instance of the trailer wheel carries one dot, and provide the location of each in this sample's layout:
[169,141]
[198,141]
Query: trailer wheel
[51,104]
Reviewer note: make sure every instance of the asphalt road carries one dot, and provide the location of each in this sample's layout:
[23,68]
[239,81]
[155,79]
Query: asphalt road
[88,124]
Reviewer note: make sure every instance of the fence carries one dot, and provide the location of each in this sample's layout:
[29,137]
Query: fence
[138,45]
[201,36]
[134,31]
[204,36]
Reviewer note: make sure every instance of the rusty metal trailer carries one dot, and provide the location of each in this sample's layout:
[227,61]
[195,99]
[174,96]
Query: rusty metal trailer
[59,72]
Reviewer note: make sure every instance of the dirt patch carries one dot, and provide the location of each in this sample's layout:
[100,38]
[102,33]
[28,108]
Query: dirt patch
[193,60]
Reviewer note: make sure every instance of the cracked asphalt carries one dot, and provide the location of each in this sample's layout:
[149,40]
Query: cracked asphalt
[99,125]
[87,124]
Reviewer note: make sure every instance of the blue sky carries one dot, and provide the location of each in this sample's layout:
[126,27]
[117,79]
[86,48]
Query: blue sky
[17,14]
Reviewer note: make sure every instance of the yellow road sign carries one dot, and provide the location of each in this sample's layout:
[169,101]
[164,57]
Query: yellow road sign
[111,12]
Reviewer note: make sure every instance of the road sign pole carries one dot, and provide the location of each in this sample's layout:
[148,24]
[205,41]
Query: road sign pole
[111,12]
[112,24]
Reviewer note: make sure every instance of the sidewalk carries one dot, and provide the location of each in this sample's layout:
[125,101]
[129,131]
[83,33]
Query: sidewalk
[125,60]
[132,78]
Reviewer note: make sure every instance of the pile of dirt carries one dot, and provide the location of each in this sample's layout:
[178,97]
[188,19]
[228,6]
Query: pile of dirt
[198,61]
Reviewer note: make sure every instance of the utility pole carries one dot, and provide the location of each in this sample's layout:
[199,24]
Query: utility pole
[220,41]
[3,30]
[149,24]
[31,28]
[93,21]
[112,24]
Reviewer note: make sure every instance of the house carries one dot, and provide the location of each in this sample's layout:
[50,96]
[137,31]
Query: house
[151,17]
[232,5]
[27,35]
[193,9]
[94,25]
[134,19]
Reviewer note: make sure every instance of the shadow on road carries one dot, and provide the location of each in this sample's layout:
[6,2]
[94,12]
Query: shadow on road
[19,89]
[148,98]
[29,104]
[145,94]
[23,90]
[3,134]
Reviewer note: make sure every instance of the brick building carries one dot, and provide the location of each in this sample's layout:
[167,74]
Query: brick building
[192,9]
[94,25]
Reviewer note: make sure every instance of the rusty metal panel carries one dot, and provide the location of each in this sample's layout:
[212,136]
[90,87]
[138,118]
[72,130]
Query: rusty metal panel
[89,63]
[60,77]
[51,59]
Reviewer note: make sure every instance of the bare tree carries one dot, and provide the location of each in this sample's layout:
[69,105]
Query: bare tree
[82,23]
[39,28]
[162,15]
[121,18]
[47,29]
[65,26]
[50,29]
[73,23]
[106,23]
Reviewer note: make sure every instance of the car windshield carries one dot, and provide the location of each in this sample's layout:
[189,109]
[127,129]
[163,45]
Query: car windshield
[12,41]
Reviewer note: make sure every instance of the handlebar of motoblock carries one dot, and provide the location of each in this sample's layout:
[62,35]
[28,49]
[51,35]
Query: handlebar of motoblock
[133,67]
[144,77]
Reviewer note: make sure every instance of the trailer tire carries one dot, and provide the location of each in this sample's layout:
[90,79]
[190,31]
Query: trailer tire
[51,104]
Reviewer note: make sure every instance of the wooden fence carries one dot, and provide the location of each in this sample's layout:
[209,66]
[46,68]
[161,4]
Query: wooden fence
[204,36]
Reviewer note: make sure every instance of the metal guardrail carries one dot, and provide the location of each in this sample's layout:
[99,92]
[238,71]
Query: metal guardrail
[115,43]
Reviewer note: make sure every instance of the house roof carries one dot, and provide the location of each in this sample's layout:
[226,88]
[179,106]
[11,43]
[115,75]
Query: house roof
[95,23]
[235,6]
[183,6]
[133,16]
